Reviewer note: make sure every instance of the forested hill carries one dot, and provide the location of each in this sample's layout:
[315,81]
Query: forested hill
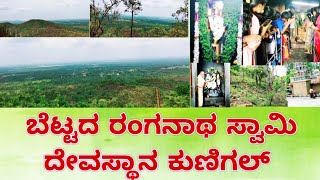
[95,85]
[43,28]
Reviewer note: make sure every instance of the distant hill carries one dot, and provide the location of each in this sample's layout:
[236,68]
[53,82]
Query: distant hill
[43,28]
[150,18]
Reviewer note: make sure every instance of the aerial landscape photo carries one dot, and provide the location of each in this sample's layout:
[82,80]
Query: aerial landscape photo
[50,18]
[139,18]
[83,72]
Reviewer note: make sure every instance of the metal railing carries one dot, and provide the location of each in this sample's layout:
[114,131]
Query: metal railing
[278,55]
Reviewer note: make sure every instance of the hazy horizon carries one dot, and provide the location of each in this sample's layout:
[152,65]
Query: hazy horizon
[88,19]
[45,51]
[12,10]
[155,8]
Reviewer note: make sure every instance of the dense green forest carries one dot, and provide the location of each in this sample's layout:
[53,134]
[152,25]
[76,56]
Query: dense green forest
[257,86]
[96,85]
[42,28]
[146,27]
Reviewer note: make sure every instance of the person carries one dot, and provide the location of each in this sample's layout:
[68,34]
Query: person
[310,28]
[292,27]
[201,85]
[317,40]
[285,46]
[251,30]
[312,93]
[282,24]
[271,43]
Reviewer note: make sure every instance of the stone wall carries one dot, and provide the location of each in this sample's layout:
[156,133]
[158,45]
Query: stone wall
[301,88]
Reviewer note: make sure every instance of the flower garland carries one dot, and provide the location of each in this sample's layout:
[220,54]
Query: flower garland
[205,37]
[196,50]
[240,36]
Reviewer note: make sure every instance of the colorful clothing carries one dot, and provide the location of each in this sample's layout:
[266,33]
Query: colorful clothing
[248,51]
[317,42]
[285,50]
[280,25]
[309,35]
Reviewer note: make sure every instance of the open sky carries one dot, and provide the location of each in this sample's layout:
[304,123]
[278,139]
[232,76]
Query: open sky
[156,8]
[40,51]
[11,10]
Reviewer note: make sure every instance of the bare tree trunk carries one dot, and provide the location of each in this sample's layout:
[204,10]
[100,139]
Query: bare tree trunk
[158,97]
[131,23]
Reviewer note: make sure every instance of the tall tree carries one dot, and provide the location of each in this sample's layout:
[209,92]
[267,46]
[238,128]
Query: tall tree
[101,15]
[182,14]
[134,7]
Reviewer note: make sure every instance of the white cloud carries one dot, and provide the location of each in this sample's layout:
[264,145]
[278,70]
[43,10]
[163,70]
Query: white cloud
[23,51]
[4,8]
[48,9]
[157,8]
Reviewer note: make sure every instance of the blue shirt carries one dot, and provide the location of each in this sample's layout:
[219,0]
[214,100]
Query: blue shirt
[280,25]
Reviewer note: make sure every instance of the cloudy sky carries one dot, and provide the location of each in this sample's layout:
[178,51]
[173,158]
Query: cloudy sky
[40,51]
[44,9]
[157,8]
[11,10]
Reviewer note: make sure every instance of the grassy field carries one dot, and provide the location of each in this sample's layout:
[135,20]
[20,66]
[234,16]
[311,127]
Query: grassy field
[248,90]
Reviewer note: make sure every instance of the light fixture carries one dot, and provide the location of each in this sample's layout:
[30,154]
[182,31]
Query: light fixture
[305,3]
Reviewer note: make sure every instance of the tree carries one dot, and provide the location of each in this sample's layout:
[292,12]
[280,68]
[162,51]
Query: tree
[134,7]
[5,32]
[101,16]
[182,13]
[180,28]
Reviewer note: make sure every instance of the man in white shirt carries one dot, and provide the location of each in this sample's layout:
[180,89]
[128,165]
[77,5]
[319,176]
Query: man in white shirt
[201,84]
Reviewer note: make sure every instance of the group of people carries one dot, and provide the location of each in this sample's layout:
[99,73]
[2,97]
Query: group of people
[268,34]
[312,27]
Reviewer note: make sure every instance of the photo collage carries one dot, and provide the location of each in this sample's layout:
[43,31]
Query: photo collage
[159,54]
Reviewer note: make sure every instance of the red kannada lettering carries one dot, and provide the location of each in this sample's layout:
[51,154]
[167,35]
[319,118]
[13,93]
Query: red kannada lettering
[132,175]
[275,116]
[252,129]
[214,161]
[176,162]
[152,158]
[71,138]
[59,155]
[131,125]
[232,158]
[32,124]
[187,129]
[207,127]
[245,159]
[89,130]
[116,162]
[155,122]
[56,126]
[204,127]
[258,138]
[210,162]
[121,121]
[85,166]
